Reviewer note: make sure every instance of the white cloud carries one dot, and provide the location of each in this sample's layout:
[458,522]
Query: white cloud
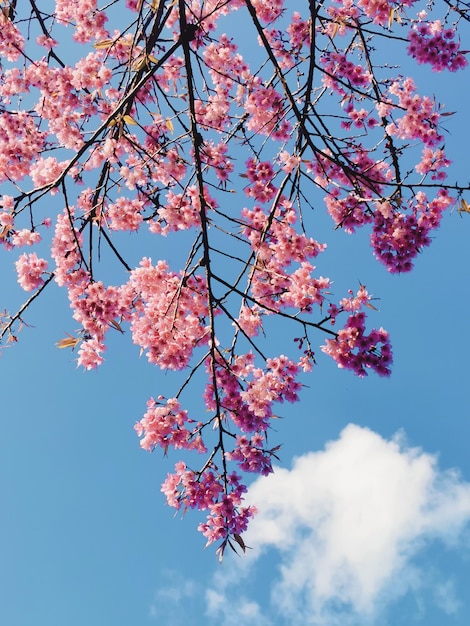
[446,598]
[347,523]
[234,611]
[174,600]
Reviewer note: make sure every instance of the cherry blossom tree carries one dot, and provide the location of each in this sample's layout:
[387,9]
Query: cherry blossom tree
[218,124]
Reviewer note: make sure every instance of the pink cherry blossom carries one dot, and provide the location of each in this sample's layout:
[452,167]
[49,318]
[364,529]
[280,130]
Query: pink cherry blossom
[25,237]
[11,39]
[30,269]
[89,354]
[125,214]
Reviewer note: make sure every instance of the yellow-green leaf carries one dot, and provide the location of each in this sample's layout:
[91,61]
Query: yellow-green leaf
[105,43]
[464,207]
[68,342]
[129,120]
[140,64]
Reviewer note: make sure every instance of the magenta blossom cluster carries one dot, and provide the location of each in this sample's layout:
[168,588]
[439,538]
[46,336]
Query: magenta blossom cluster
[431,43]
[204,491]
[356,351]
[397,237]
[251,455]
[246,393]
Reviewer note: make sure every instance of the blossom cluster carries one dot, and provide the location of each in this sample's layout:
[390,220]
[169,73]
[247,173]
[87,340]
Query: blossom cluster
[431,43]
[30,271]
[354,350]
[397,237]
[246,393]
[278,246]
[164,425]
[168,316]
[340,73]
[188,489]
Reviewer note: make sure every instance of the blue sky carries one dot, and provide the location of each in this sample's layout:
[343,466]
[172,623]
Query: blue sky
[366,521]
